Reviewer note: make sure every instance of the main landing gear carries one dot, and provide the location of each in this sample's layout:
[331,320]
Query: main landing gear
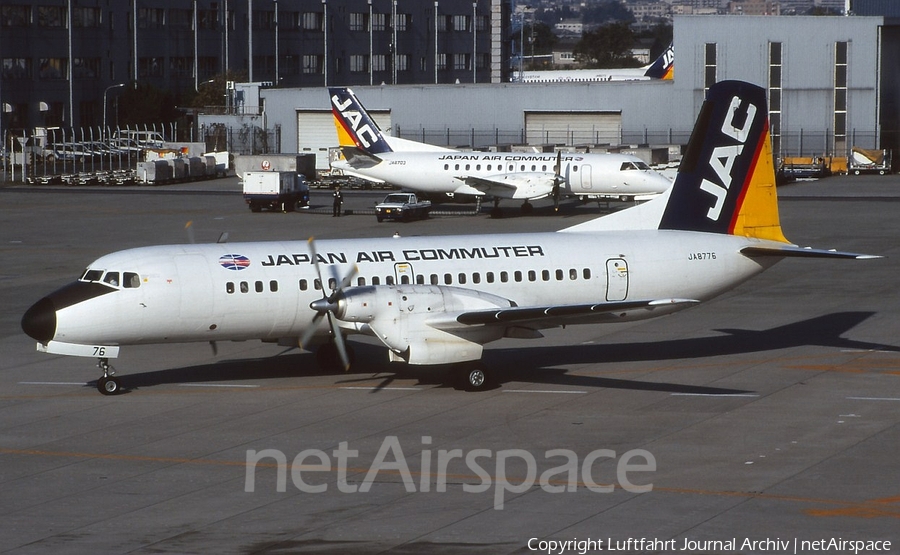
[107,385]
[496,213]
[472,377]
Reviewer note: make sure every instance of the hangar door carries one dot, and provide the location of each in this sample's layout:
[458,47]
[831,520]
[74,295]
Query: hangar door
[573,127]
[316,133]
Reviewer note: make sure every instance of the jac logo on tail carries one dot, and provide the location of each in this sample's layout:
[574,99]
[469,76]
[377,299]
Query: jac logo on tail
[355,118]
[723,157]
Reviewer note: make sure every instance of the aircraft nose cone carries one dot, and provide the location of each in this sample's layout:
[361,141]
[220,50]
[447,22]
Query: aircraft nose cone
[39,321]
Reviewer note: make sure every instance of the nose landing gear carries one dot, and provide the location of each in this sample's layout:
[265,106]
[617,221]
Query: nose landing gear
[107,385]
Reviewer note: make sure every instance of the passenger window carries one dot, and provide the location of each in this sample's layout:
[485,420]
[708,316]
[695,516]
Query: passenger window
[448,279]
[273,286]
[259,287]
[587,273]
[389,280]
[456,167]
[131,280]
[462,278]
[489,167]
[476,278]
[533,167]
[559,275]
[229,287]
[467,167]
[245,287]
[446,166]
[574,168]
[545,275]
[111,278]
[404,279]
[332,284]
[375,280]
[489,277]
[317,285]
[478,167]
[434,279]
[303,285]
[420,279]
[361,282]
[518,275]
[504,277]
[573,274]
[532,275]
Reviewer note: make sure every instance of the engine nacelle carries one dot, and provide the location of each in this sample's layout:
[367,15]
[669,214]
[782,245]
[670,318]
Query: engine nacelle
[398,315]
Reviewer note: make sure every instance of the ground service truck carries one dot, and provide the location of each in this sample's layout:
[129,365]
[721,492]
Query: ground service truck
[279,191]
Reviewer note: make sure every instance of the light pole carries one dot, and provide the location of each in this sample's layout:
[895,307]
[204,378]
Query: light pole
[104,102]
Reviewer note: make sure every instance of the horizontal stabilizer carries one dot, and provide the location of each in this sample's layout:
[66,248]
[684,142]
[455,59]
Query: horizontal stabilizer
[802,252]
[358,158]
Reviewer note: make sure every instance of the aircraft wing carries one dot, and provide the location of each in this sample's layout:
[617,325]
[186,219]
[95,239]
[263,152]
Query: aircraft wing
[531,185]
[547,316]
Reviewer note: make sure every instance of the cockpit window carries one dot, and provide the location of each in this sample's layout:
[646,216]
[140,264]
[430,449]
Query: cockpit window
[638,165]
[131,280]
[112,278]
[92,275]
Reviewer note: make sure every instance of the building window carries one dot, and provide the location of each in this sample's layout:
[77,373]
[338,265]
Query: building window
[379,21]
[15,16]
[442,22]
[150,67]
[86,17]
[460,23]
[151,18]
[358,63]
[460,62]
[312,64]
[181,67]
[442,61]
[840,97]
[401,21]
[51,16]
[16,68]
[312,21]
[775,74]
[358,21]
[52,68]
[86,68]
[709,65]
[379,62]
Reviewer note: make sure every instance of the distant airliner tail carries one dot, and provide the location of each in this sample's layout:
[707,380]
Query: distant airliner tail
[664,66]
[355,127]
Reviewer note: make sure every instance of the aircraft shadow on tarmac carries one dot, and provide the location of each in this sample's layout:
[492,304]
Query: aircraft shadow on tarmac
[538,365]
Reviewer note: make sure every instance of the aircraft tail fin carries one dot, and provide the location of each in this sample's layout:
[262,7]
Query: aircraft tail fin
[726,180]
[355,127]
[664,66]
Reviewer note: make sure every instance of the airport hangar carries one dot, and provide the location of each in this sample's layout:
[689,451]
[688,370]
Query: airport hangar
[824,75]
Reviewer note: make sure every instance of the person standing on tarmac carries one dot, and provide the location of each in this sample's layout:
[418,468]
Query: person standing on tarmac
[338,201]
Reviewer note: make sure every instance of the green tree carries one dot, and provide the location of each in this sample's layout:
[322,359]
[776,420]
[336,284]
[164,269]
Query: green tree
[604,12]
[607,46]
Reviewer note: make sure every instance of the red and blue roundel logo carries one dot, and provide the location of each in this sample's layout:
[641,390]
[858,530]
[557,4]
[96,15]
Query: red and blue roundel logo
[234,261]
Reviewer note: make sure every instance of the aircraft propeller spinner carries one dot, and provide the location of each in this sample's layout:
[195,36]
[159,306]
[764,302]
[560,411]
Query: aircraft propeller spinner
[326,307]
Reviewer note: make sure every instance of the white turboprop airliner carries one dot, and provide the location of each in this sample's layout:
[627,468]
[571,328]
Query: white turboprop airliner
[439,300]
[371,155]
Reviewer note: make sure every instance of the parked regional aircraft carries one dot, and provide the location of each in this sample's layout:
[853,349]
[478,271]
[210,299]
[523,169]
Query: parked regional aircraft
[371,155]
[663,68]
[439,300]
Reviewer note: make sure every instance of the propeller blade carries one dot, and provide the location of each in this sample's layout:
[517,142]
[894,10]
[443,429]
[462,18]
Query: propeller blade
[189,228]
[339,342]
[310,330]
[215,347]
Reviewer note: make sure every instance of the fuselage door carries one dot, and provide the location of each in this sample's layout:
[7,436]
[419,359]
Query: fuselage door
[616,279]
[403,272]
[586,177]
